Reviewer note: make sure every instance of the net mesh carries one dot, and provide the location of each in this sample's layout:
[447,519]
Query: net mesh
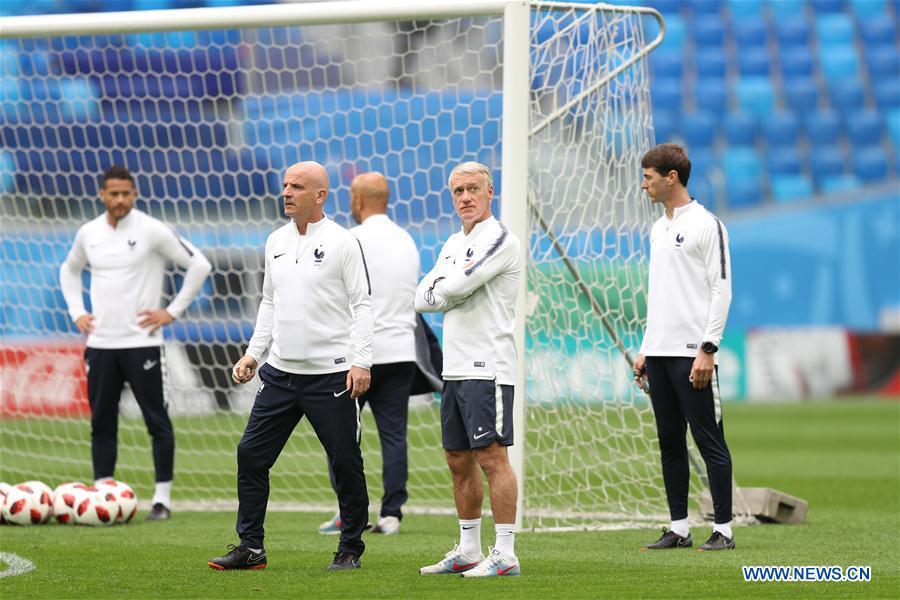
[208,121]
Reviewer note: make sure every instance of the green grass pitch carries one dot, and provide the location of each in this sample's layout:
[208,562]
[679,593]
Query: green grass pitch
[843,457]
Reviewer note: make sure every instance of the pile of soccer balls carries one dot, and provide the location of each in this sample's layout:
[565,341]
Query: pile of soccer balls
[33,503]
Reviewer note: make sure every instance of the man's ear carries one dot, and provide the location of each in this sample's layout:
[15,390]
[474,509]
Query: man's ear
[672,177]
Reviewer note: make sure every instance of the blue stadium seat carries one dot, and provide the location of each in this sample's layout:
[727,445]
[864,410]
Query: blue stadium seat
[744,193]
[839,184]
[839,62]
[745,8]
[708,32]
[878,29]
[667,64]
[710,64]
[753,62]
[781,129]
[749,30]
[864,128]
[783,161]
[741,164]
[791,188]
[828,6]
[711,95]
[870,165]
[800,94]
[703,161]
[698,130]
[834,29]
[741,128]
[826,162]
[868,8]
[882,61]
[847,95]
[666,95]
[796,61]
[893,123]
[792,30]
[665,125]
[786,8]
[675,32]
[701,188]
[822,128]
[755,95]
[704,7]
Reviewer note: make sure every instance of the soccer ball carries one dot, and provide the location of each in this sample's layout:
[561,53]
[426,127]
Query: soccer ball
[44,496]
[24,506]
[66,498]
[4,490]
[95,509]
[124,497]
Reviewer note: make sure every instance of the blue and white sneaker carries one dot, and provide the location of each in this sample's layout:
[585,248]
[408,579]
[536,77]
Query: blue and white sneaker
[495,565]
[453,562]
[331,526]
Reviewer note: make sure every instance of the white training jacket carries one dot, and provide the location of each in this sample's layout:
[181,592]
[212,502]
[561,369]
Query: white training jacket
[690,283]
[316,309]
[127,263]
[474,282]
[393,263]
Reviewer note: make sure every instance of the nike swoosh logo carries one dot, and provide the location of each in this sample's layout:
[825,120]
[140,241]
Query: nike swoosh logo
[469,527]
[149,365]
[279,255]
[255,558]
[505,571]
[339,394]
[481,435]
[459,567]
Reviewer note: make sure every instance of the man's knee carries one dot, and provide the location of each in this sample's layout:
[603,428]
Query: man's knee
[493,458]
[459,461]
[251,457]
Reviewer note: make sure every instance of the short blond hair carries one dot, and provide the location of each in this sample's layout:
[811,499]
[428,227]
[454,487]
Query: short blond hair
[471,168]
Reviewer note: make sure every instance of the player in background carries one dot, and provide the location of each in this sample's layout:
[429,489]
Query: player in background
[316,322]
[687,307]
[393,263]
[126,252]
[474,283]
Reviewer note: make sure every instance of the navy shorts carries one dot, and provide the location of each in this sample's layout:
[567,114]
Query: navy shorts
[475,413]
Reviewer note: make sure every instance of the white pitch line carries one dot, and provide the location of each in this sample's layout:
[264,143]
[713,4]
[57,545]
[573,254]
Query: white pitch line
[16,565]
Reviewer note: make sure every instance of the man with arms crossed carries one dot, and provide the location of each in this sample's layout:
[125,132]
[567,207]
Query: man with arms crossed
[393,262]
[474,282]
[316,313]
[126,251]
[687,306]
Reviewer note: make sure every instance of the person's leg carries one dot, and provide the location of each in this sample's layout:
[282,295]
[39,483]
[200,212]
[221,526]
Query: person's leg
[390,406]
[671,428]
[703,409]
[104,383]
[144,372]
[335,418]
[274,416]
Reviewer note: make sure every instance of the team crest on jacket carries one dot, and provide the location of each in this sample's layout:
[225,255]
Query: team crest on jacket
[470,253]
[679,240]
[318,256]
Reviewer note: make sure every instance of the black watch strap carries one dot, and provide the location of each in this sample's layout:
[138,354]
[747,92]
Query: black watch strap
[709,348]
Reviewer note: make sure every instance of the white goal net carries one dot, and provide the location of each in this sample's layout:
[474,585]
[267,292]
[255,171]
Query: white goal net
[208,114]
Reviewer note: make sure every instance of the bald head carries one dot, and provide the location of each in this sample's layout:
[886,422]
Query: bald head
[312,172]
[368,196]
[304,193]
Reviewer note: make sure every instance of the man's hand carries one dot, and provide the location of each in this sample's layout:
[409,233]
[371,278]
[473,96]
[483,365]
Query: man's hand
[85,323]
[702,370]
[358,380]
[244,369]
[154,319]
[640,372]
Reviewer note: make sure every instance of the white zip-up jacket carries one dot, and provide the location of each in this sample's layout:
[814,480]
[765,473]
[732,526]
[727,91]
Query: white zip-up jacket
[316,310]
[393,263]
[475,282]
[690,283]
[127,264]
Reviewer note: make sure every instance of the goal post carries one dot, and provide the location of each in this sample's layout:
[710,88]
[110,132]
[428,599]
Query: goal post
[209,106]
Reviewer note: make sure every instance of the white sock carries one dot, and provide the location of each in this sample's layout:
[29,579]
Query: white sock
[506,540]
[681,527]
[724,529]
[162,494]
[470,537]
[99,479]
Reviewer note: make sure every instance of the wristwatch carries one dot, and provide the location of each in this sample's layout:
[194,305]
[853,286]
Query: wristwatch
[709,348]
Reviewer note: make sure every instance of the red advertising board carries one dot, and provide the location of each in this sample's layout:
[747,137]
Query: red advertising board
[46,379]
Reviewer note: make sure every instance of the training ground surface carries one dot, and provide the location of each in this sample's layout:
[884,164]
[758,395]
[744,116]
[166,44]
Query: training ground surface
[844,458]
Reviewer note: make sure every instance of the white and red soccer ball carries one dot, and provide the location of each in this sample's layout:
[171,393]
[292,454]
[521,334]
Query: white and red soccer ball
[122,494]
[27,504]
[95,509]
[66,499]
[4,490]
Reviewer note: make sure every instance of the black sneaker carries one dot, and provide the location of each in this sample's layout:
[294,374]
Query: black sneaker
[670,539]
[159,512]
[343,561]
[717,541]
[239,558]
